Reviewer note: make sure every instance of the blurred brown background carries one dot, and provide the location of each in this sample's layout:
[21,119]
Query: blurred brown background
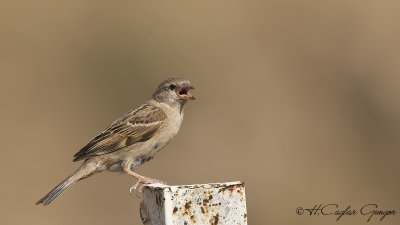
[299,99]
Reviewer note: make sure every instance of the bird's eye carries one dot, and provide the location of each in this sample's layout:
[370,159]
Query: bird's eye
[172,86]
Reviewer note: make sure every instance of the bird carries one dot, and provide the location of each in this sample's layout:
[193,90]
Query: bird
[133,139]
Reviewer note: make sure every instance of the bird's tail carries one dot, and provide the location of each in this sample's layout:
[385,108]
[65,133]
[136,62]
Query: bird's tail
[79,174]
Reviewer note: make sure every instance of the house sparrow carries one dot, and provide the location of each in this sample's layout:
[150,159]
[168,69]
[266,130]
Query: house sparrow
[133,139]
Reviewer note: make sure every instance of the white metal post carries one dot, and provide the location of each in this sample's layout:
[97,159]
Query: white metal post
[216,203]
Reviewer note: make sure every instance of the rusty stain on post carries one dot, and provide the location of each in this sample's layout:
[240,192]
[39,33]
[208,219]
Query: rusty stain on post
[215,204]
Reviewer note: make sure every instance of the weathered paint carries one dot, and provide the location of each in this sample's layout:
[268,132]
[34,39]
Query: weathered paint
[214,204]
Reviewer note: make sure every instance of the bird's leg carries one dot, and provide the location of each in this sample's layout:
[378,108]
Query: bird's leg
[141,181]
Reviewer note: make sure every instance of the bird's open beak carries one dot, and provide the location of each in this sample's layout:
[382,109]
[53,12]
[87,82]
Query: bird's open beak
[184,93]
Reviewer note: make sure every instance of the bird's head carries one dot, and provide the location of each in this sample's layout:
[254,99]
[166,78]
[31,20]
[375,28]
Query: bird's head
[174,90]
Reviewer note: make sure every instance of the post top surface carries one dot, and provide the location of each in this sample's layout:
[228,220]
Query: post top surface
[192,186]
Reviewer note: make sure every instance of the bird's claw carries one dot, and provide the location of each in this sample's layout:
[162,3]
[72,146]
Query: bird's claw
[141,183]
[135,186]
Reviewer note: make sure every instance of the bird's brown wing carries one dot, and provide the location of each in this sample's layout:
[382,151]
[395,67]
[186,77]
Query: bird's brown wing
[136,126]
